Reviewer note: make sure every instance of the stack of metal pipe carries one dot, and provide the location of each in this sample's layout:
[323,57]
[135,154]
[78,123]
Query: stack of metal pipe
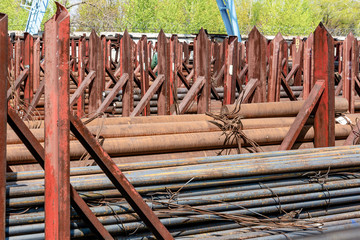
[274,195]
[116,108]
[168,137]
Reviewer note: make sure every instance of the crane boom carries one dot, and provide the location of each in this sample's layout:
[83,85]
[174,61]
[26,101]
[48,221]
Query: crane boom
[36,10]
[228,14]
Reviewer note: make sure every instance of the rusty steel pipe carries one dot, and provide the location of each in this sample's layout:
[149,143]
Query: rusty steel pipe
[253,110]
[150,129]
[174,143]
[278,109]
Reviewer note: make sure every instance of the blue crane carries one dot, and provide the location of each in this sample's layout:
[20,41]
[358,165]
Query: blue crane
[228,14]
[36,10]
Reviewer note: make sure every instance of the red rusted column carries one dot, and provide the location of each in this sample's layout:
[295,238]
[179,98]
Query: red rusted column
[284,61]
[230,70]
[202,69]
[144,71]
[73,54]
[308,62]
[36,65]
[57,126]
[257,44]
[276,56]
[324,121]
[163,94]
[3,117]
[126,66]
[28,63]
[96,63]
[172,61]
[297,59]
[350,68]
[81,75]
[108,54]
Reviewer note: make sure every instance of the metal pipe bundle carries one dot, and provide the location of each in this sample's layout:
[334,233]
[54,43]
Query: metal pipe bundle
[202,197]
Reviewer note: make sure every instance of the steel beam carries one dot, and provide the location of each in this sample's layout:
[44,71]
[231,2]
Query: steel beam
[3,109]
[303,116]
[324,121]
[163,68]
[80,104]
[276,56]
[202,70]
[57,146]
[256,56]
[308,66]
[144,73]
[96,62]
[297,59]
[28,62]
[126,66]
[231,66]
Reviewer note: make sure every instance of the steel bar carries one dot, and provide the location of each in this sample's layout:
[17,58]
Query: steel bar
[21,78]
[81,75]
[146,99]
[3,118]
[303,116]
[80,90]
[28,61]
[191,95]
[249,91]
[110,97]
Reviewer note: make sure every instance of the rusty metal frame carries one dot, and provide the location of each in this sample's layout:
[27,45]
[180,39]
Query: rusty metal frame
[3,117]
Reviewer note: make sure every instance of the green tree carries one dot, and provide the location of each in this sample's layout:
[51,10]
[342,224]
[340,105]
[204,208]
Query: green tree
[101,15]
[340,17]
[18,16]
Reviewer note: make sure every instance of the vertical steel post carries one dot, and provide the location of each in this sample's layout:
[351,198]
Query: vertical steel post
[297,58]
[28,63]
[230,70]
[163,94]
[57,126]
[308,62]
[96,62]
[324,121]
[108,54]
[73,54]
[144,71]
[3,117]
[173,43]
[276,56]
[80,106]
[349,65]
[202,69]
[36,65]
[126,66]
[256,56]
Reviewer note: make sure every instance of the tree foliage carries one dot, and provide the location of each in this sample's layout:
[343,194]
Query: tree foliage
[290,17]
